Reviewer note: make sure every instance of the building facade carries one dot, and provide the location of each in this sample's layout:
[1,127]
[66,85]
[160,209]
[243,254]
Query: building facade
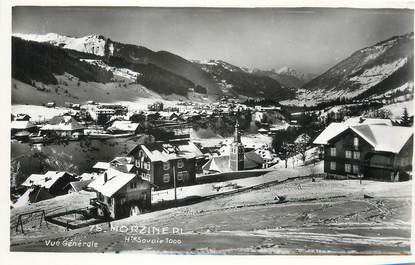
[166,165]
[371,151]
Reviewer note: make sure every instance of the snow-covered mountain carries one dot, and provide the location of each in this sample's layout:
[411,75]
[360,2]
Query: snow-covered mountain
[368,72]
[288,71]
[99,59]
[235,81]
[94,44]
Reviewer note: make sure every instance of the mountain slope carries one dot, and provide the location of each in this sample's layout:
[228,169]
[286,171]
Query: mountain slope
[236,81]
[42,62]
[366,72]
[105,47]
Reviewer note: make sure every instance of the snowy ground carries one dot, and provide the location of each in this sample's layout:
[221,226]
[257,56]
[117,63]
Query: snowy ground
[38,113]
[319,217]
[217,188]
[397,108]
[296,161]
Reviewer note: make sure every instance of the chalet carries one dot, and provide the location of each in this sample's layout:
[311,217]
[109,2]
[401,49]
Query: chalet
[166,164]
[21,129]
[120,194]
[54,182]
[371,151]
[64,127]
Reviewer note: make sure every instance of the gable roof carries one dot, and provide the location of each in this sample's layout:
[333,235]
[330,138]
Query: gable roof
[221,163]
[47,180]
[62,123]
[384,138]
[80,185]
[334,129]
[115,181]
[218,164]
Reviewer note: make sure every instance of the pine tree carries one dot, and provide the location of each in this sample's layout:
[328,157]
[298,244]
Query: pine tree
[405,121]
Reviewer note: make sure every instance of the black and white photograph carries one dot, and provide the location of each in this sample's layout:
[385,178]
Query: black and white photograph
[210,130]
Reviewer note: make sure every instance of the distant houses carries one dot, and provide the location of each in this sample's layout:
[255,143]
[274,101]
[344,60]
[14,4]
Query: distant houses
[21,129]
[63,127]
[373,151]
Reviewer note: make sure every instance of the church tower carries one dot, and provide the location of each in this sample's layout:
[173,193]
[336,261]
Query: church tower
[236,155]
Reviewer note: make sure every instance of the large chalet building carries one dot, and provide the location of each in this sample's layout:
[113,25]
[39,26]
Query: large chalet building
[372,151]
[167,164]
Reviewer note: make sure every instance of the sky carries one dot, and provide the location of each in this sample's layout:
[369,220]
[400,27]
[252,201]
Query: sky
[310,40]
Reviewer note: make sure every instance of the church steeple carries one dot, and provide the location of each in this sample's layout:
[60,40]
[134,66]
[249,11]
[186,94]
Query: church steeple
[236,135]
[236,156]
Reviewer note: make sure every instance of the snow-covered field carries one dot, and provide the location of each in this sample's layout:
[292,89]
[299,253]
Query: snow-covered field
[38,113]
[321,216]
[212,189]
[398,108]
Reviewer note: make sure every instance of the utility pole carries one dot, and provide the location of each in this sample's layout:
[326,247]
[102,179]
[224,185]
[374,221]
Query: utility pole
[175,186]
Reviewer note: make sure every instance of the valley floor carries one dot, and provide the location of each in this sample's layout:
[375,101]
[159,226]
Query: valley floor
[321,216]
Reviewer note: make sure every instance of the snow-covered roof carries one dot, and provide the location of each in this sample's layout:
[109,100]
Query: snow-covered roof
[123,126]
[80,185]
[382,137]
[46,180]
[62,123]
[331,131]
[87,176]
[221,163]
[102,165]
[21,125]
[169,151]
[360,120]
[115,181]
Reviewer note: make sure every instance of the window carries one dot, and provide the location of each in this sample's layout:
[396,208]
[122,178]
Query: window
[356,155]
[347,168]
[348,154]
[333,165]
[109,200]
[356,142]
[180,176]
[355,169]
[333,151]
[147,165]
[180,163]
[166,178]
[133,185]
[166,165]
